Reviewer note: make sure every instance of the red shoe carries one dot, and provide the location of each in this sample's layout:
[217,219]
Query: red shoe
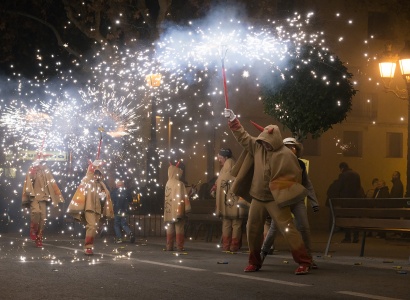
[251,268]
[39,242]
[302,270]
[33,231]
[88,251]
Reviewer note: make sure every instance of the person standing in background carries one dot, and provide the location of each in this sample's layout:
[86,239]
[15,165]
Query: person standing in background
[176,206]
[397,190]
[349,187]
[227,206]
[121,200]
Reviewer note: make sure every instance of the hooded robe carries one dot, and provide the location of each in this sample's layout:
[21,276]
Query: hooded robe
[87,198]
[226,200]
[177,203]
[40,185]
[266,175]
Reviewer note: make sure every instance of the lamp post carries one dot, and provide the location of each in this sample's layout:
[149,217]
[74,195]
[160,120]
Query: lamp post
[387,69]
[153,80]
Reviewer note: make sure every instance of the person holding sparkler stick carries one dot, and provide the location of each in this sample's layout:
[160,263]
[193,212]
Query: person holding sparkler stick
[91,202]
[270,173]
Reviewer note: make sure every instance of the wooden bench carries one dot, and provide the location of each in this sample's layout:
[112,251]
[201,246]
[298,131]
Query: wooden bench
[369,214]
[202,218]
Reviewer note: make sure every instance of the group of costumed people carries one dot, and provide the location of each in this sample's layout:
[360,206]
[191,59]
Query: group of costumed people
[90,203]
[269,175]
[268,179]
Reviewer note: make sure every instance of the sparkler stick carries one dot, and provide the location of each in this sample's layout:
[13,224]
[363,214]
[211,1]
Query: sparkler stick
[100,129]
[40,152]
[224,75]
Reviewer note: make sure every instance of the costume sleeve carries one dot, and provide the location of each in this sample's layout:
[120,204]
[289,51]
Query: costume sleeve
[242,136]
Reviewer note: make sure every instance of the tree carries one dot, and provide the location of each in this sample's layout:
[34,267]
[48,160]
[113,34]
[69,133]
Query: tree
[71,30]
[312,94]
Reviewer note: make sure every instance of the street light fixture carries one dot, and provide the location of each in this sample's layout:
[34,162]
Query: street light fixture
[387,66]
[154,81]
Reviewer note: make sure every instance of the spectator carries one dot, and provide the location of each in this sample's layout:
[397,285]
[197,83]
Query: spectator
[350,187]
[381,190]
[121,200]
[370,192]
[397,190]
[271,174]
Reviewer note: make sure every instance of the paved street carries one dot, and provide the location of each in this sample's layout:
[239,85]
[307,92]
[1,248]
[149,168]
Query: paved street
[143,270]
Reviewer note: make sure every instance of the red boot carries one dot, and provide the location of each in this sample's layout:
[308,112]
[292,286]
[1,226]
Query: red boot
[39,239]
[180,242]
[170,242]
[33,231]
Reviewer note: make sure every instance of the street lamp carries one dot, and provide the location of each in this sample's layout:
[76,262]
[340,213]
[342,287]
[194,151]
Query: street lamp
[154,81]
[387,67]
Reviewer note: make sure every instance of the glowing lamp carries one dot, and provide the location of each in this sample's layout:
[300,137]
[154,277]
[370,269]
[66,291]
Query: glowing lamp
[387,69]
[387,63]
[404,62]
[154,80]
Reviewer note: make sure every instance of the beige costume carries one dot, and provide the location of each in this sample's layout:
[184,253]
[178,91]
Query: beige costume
[228,209]
[90,202]
[263,174]
[39,189]
[176,206]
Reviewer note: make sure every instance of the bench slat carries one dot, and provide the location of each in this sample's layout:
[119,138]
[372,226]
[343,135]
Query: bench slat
[373,212]
[397,224]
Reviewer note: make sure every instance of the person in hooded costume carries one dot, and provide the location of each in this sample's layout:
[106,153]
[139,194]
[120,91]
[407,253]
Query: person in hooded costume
[298,209]
[39,189]
[90,203]
[227,206]
[176,206]
[270,174]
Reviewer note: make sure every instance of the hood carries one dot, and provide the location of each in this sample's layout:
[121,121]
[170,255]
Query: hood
[174,173]
[271,135]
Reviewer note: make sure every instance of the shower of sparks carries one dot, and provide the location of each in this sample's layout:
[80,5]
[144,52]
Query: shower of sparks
[63,115]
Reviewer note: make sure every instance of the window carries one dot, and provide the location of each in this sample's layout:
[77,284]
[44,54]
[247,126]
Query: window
[394,144]
[364,105]
[352,144]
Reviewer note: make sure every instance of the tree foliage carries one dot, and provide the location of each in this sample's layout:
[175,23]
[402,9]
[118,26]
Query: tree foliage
[312,94]
[31,30]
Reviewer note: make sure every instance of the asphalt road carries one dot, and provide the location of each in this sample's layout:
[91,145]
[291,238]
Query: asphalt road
[143,270]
